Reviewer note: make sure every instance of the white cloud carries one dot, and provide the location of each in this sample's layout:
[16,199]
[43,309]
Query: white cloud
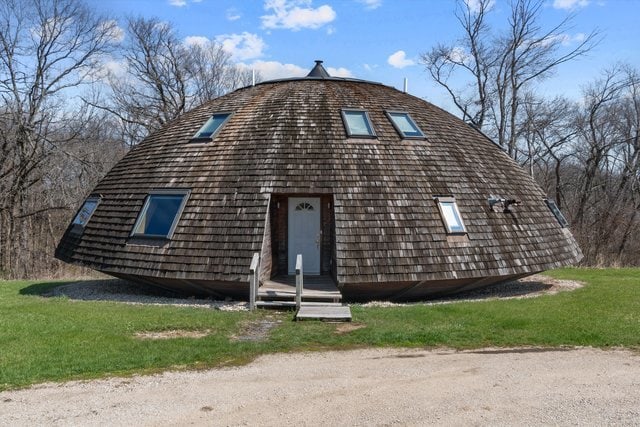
[569,4]
[270,70]
[242,46]
[115,67]
[564,39]
[579,37]
[232,14]
[107,67]
[181,3]
[474,5]
[296,15]
[339,72]
[457,54]
[114,32]
[371,4]
[568,39]
[196,40]
[399,60]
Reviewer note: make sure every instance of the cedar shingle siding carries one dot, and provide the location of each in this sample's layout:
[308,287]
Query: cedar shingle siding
[382,232]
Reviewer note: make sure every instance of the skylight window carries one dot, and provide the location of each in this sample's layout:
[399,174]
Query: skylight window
[553,207]
[404,124]
[357,123]
[160,213]
[86,211]
[450,215]
[211,127]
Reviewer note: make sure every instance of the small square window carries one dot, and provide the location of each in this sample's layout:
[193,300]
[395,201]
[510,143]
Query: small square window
[211,127]
[160,213]
[357,123]
[404,124]
[450,215]
[553,207]
[86,211]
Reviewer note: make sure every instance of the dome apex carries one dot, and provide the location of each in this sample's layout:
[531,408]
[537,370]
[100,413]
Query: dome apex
[319,71]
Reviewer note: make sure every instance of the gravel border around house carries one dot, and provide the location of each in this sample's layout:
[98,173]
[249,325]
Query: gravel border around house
[117,290]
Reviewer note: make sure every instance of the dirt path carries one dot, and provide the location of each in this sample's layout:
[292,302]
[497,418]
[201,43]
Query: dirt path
[362,387]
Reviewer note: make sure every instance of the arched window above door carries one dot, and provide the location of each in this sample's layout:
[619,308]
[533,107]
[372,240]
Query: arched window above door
[304,206]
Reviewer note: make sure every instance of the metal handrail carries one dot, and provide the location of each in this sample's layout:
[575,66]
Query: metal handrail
[254,280]
[299,281]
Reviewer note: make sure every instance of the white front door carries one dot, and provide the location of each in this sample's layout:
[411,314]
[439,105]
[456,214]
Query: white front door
[304,233]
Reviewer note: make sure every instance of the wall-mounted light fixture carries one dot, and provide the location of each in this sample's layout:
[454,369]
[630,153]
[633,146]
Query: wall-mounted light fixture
[497,204]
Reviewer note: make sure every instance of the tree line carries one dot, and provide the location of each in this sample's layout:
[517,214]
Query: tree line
[585,153]
[77,91]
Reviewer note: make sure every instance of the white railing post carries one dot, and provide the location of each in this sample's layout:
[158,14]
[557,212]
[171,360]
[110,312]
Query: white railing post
[254,280]
[299,281]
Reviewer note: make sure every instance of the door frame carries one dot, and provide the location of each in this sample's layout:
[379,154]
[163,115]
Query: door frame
[294,200]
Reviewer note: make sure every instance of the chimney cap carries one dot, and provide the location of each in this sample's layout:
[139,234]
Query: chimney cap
[318,71]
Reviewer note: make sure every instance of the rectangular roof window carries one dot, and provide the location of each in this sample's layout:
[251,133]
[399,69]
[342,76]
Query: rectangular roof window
[357,123]
[86,211]
[160,213]
[450,215]
[553,207]
[404,124]
[211,127]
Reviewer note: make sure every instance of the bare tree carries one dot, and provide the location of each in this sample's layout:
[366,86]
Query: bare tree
[153,89]
[607,173]
[164,77]
[585,154]
[48,49]
[500,68]
[547,130]
[473,57]
[212,73]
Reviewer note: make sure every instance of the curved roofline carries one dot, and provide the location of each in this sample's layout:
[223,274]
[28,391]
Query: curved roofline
[318,72]
[307,78]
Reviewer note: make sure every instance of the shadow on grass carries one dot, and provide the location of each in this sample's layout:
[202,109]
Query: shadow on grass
[41,289]
[117,290]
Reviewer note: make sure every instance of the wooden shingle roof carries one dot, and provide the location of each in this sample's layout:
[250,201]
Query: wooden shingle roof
[288,137]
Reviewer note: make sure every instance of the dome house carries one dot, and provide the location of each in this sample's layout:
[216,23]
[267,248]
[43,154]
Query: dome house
[383,194]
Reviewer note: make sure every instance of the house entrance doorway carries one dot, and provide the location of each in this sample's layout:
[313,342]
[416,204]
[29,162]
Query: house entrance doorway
[304,233]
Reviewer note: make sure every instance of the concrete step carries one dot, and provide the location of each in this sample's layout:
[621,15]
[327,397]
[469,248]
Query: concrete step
[330,312]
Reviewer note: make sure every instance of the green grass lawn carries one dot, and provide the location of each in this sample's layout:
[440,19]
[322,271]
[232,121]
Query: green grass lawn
[53,339]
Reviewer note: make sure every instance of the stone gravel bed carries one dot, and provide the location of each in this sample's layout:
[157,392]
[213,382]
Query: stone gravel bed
[122,291]
[132,293]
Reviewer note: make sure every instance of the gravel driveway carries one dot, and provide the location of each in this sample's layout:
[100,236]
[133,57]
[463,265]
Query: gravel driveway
[361,387]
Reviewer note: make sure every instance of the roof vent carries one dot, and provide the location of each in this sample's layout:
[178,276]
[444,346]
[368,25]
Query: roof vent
[318,71]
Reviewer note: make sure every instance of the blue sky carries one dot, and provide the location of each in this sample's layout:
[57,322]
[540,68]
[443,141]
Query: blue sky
[379,40]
